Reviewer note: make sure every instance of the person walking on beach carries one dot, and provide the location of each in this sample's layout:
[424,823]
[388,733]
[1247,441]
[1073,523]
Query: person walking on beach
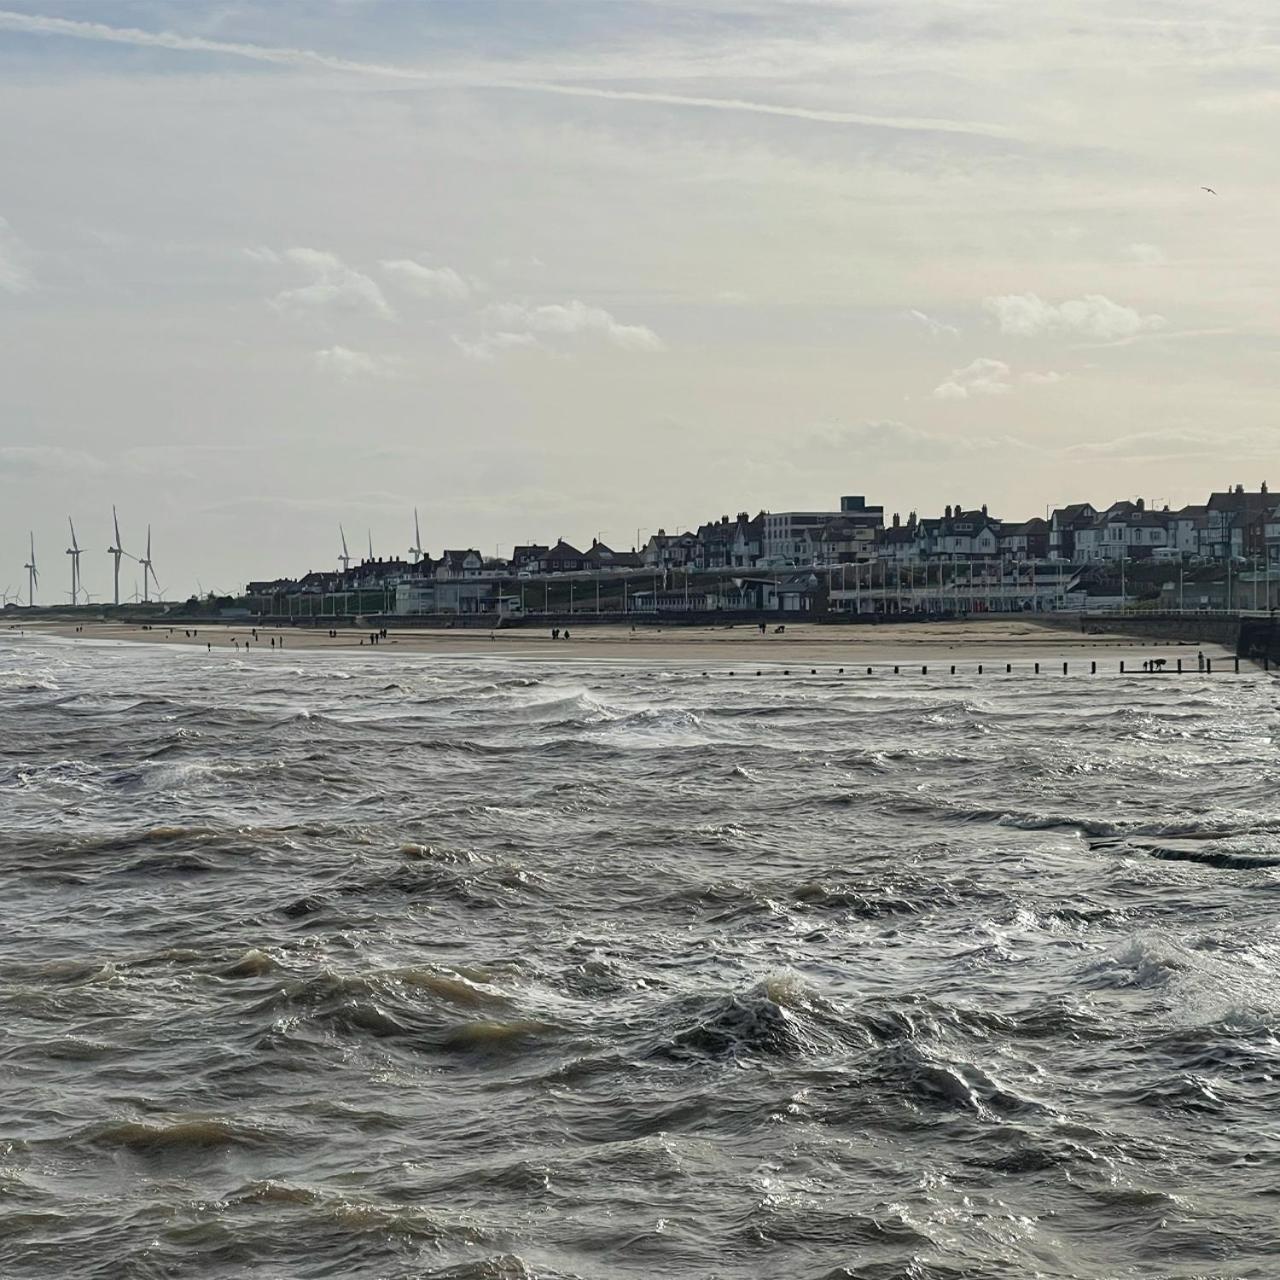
[1200,660]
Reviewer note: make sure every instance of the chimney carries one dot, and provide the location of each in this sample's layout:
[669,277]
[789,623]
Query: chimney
[984,508]
[1141,504]
[947,516]
[897,520]
[1264,486]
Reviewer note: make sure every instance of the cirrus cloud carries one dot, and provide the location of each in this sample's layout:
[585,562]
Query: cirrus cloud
[15,257]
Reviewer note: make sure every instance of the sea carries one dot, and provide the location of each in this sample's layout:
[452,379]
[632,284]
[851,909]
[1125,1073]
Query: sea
[373,965]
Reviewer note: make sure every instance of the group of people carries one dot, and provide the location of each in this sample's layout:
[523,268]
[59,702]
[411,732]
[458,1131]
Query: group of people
[557,634]
[1158,664]
[375,637]
[235,640]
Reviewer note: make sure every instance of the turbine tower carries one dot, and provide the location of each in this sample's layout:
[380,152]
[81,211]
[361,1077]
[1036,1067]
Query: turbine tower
[416,550]
[148,574]
[75,553]
[33,575]
[345,558]
[117,550]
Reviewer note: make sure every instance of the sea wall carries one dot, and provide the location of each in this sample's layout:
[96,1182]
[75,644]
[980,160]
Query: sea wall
[1256,637]
[1259,639]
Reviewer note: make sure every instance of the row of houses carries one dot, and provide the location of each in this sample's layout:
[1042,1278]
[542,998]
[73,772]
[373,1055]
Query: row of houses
[1233,524]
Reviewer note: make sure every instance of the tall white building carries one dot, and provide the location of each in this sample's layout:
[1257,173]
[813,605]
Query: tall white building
[794,535]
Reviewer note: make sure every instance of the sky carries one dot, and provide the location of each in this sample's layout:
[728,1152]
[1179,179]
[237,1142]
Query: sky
[578,268]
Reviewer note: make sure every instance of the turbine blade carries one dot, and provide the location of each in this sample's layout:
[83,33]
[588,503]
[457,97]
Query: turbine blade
[115,519]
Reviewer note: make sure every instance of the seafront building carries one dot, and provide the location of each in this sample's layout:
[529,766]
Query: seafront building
[848,558]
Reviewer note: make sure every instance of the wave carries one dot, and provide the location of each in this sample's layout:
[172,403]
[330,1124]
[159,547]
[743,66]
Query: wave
[179,1135]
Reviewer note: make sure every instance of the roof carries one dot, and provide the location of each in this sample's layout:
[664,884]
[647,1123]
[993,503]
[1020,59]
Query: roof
[1076,511]
[1024,528]
[603,555]
[899,533]
[561,550]
[1234,501]
[457,559]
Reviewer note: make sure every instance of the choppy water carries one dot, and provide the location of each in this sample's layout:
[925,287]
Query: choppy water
[366,966]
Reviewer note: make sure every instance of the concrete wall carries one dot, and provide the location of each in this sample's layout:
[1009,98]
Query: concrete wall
[1260,640]
[1191,628]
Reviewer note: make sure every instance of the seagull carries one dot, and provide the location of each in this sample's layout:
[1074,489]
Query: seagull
[1210,190]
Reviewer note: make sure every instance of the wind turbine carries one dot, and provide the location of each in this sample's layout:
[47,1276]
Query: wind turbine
[117,551]
[345,558]
[75,553]
[147,572]
[33,575]
[416,550]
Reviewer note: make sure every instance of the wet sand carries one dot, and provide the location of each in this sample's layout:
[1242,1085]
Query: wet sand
[1002,640]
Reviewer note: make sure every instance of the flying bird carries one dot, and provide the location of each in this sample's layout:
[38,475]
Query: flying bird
[1210,190]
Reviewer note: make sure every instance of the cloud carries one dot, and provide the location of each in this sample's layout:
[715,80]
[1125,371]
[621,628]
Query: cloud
[1042,379]
[573,319]
[1149,255]
[984,377]
[936,327]
[346,364]
[332,283]
[1178,442]
[35,24]
[15,273]
[901,440]
[47,459]
[427,282]
[490,345]
[1026,315]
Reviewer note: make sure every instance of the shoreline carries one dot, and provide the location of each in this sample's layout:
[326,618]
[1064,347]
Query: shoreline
[801,642]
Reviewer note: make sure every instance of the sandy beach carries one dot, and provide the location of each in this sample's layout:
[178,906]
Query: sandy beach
[1013,640]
